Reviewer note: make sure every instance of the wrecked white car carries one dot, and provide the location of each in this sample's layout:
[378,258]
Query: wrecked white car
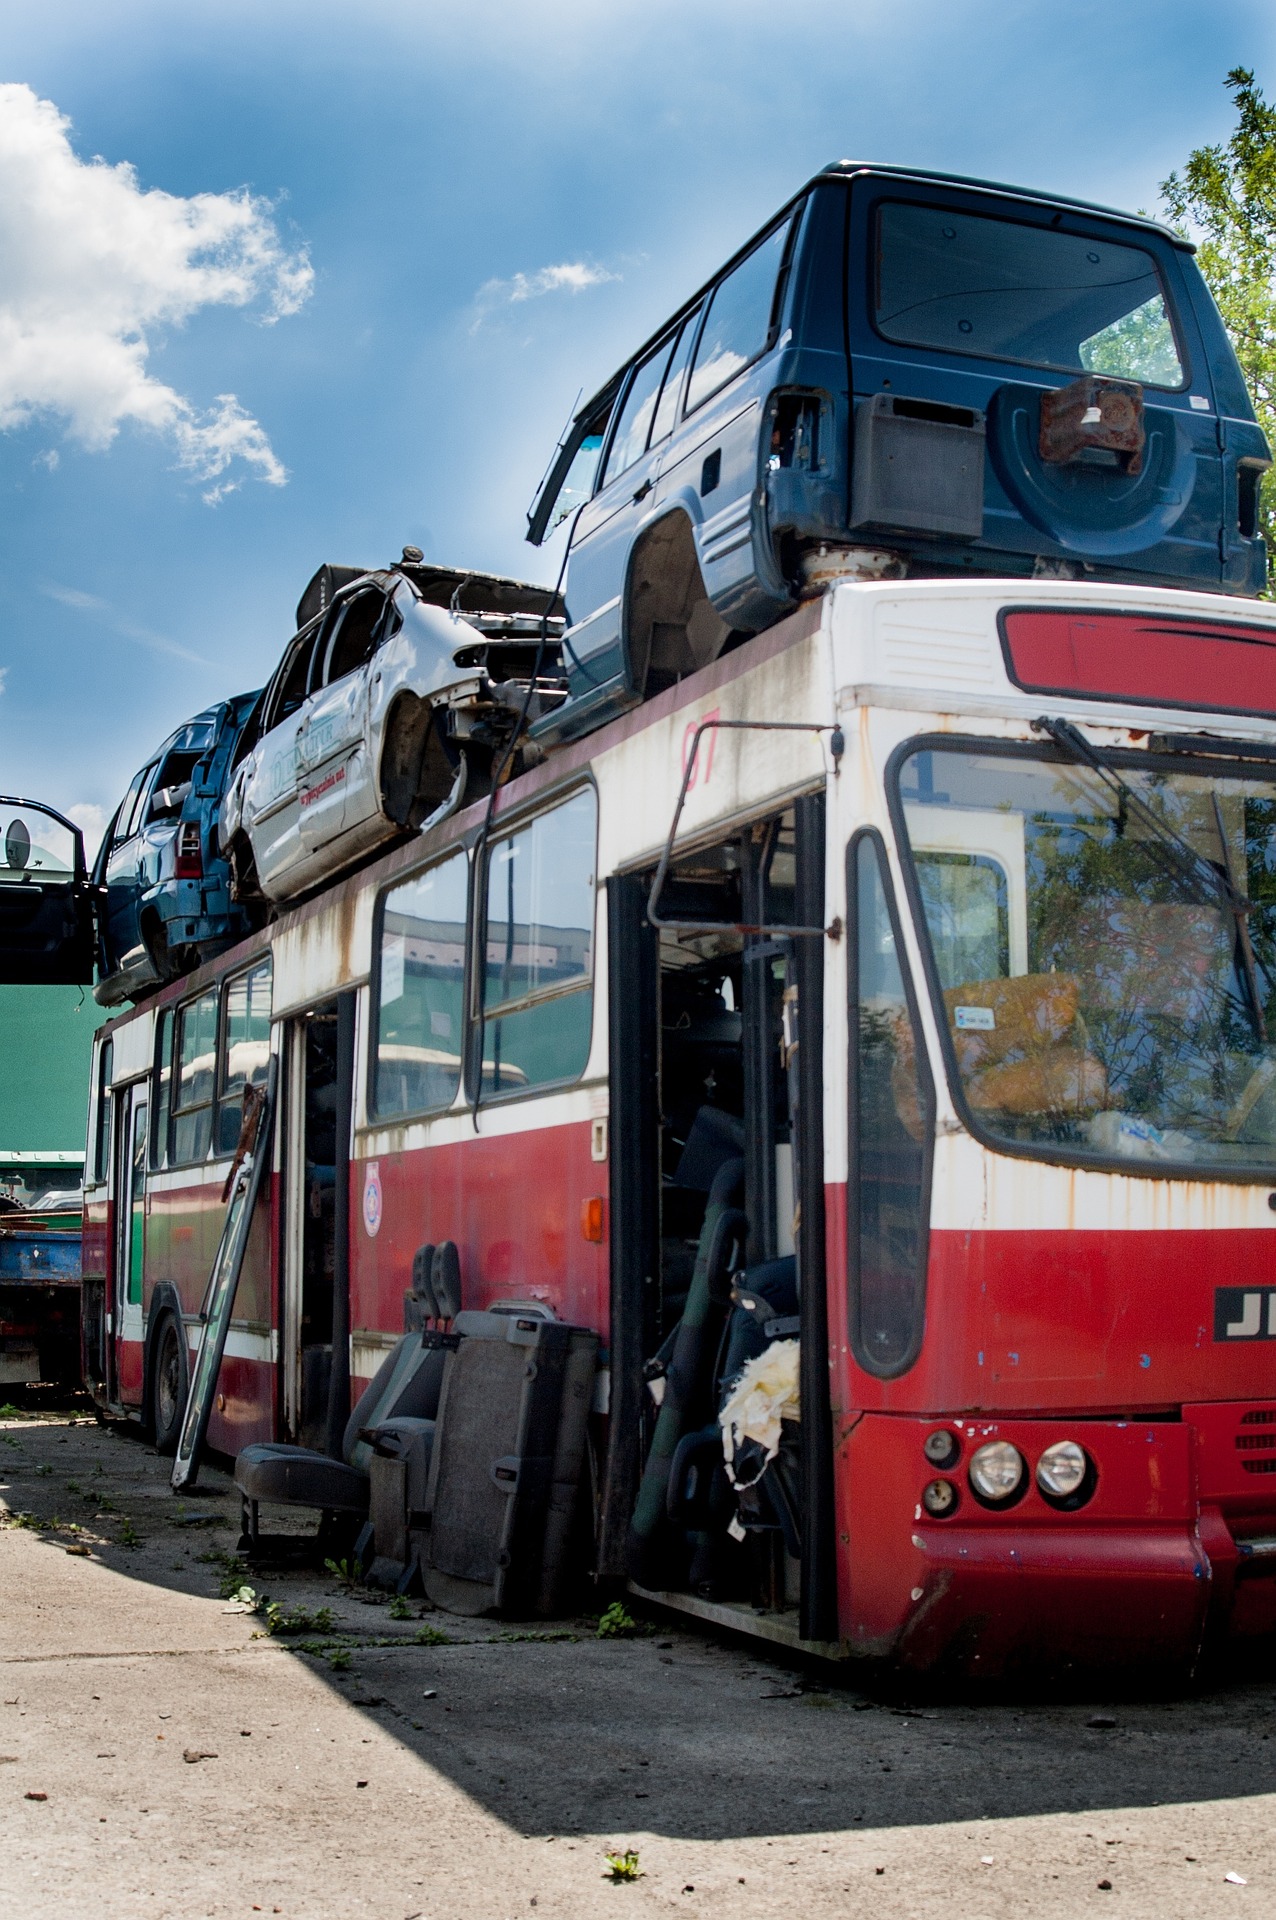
[384,713]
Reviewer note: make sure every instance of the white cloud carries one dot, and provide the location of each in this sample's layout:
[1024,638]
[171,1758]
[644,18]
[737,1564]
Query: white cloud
[91,820]
[94,265]
[569,276]
[118,623]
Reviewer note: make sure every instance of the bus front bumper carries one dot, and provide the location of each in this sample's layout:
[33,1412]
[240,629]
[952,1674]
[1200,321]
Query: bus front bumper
[1173,1544]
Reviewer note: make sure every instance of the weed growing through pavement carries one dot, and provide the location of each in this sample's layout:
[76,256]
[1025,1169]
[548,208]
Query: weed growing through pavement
[288,1622]
[399,1608]
[129,1535]
[622,1867]
[347,1573]
[339,1660]
[617,1620]
[428,1636]
[549,1633]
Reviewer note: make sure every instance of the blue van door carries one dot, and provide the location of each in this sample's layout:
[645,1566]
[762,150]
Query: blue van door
[608,525]
[713,465]
[987,306]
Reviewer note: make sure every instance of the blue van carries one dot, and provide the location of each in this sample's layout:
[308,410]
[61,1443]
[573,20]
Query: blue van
[161,884]
[903,373]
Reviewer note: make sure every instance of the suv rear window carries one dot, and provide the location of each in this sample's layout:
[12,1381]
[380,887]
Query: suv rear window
[968,284]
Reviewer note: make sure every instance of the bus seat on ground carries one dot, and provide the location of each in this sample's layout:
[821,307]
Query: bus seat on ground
[405,1386]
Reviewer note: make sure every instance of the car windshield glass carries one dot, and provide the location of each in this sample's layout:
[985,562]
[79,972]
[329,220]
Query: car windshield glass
[33,847]
[966,284]
[1102,1000]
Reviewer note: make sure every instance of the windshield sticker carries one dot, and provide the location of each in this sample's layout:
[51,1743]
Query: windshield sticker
[975,1019]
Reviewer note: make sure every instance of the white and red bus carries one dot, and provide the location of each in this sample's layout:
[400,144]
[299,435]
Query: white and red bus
[957,995]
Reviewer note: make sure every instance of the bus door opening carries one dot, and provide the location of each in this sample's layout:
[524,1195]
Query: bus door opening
[733,1120]
[310,1263]
[124,1344]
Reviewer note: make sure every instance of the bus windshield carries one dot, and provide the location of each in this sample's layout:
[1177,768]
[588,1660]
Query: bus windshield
[1104,1000]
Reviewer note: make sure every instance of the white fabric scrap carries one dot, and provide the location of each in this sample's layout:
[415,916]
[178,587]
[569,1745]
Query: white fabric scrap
[765,1394]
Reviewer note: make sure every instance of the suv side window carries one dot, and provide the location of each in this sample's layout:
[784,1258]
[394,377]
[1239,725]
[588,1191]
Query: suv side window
[290,689]
[667,406]
[738,324]
[360,627]
[194,1067]
[629,442]
[537,975]
[126,821]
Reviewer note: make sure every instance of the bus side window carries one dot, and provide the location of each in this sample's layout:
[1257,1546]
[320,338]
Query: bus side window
[163,1083]
[421,991]
[892,1125]
[195,1059]
[537,980]
[102,1127]
[245,1048]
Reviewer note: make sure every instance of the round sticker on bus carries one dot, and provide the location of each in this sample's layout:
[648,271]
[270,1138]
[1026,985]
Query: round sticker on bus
[372,1199]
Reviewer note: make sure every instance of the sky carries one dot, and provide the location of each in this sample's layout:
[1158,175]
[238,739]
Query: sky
[288,283]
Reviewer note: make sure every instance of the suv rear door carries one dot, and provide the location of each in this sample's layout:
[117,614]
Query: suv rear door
[46,901]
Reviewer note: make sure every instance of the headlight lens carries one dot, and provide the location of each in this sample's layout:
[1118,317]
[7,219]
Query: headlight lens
[1062,1469]
[996,1471]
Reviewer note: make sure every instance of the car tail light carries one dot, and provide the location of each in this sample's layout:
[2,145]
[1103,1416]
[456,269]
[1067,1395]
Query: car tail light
[190,856]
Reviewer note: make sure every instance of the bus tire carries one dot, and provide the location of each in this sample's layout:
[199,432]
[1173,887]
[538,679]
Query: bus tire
[170,1382]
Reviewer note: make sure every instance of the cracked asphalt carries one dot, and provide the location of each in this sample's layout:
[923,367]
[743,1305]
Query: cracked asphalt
[163,1752]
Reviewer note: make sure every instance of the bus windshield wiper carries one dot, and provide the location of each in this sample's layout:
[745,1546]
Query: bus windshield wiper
[1176,857]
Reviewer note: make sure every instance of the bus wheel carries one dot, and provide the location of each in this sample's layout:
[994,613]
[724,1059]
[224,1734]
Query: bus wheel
[169,1384]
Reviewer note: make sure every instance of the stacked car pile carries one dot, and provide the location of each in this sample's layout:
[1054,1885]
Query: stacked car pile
[395,698]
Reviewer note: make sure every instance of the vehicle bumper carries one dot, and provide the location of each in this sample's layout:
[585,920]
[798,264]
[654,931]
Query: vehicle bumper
[1170,1550]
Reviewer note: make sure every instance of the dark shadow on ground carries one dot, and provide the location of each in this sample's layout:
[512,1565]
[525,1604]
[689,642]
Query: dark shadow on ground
[675,1730]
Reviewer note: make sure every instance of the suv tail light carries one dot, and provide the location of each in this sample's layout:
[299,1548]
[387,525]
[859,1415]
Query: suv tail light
[190,856]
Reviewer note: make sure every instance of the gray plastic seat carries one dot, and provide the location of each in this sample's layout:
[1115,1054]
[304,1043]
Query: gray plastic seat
[300,1477]
[405,1387]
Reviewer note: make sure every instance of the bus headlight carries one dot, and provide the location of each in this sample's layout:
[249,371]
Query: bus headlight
[997,1472]
[1062,1470]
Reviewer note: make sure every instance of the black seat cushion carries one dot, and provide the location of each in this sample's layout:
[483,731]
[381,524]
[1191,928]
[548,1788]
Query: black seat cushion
[405,1386]
[299,1477]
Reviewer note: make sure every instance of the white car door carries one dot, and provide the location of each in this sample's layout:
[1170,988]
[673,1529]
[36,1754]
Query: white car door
[336,786]
[270,810]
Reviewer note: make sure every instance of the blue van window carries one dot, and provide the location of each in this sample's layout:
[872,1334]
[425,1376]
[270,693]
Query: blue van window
[629,442]
[667,407]
[967,284]
[739,319]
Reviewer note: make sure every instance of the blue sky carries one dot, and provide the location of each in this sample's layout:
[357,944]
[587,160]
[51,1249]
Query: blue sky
[424,229]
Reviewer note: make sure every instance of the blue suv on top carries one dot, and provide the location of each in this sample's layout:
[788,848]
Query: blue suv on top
[162,889]
[901,374]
